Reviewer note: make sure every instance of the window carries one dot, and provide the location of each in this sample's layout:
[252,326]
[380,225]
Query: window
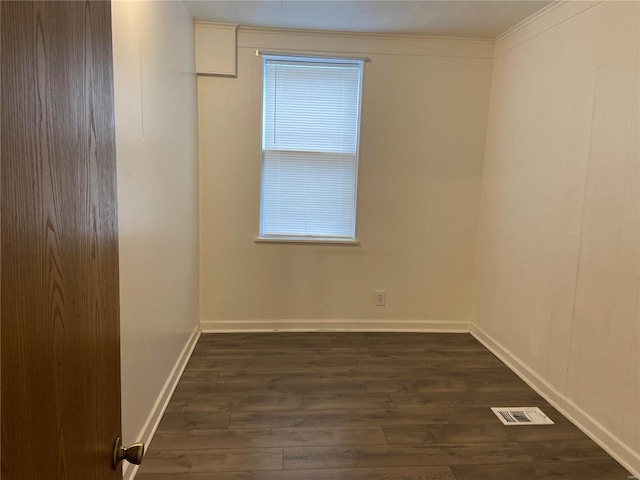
[310,130]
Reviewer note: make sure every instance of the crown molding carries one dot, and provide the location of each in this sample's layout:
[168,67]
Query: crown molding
[363,43]
[530,19]
[369,35]
[215,24]
[548,17]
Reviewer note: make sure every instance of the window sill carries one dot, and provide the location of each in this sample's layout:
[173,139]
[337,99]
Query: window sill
[312,241]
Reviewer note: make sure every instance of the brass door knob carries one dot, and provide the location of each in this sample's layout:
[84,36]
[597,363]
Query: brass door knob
[132,454]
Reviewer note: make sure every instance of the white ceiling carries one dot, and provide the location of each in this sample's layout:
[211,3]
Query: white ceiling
[460,18]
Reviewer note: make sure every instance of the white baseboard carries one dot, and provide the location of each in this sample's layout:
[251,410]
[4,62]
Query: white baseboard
[239,326]
[153,420]
[599,434]
[609,442]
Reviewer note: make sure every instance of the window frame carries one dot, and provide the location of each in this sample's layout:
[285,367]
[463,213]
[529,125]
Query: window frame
[310,239]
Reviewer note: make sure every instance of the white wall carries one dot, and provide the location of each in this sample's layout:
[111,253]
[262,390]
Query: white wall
[558,247]
[156,135]
[422,140]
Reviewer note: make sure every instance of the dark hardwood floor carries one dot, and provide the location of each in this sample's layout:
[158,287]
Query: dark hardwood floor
[359,406]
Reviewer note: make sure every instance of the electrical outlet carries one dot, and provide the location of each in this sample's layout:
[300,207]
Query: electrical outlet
[380,298]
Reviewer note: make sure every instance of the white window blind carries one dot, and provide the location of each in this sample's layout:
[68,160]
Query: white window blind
[310,129]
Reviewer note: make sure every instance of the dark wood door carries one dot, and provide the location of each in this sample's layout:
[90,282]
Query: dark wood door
[60,358]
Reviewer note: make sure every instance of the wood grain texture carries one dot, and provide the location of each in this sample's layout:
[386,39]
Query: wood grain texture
[268,437]
[313,402]
[403,455]
[404,473]
[478,433]
[162,476]
[593,469]
[359,406]
[338,417]
[219,460]
[59,303]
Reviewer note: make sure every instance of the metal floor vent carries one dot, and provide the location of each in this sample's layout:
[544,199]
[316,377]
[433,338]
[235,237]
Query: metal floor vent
[521,416]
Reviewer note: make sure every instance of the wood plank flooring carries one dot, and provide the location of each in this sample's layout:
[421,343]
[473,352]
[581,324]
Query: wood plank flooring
[359,406]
